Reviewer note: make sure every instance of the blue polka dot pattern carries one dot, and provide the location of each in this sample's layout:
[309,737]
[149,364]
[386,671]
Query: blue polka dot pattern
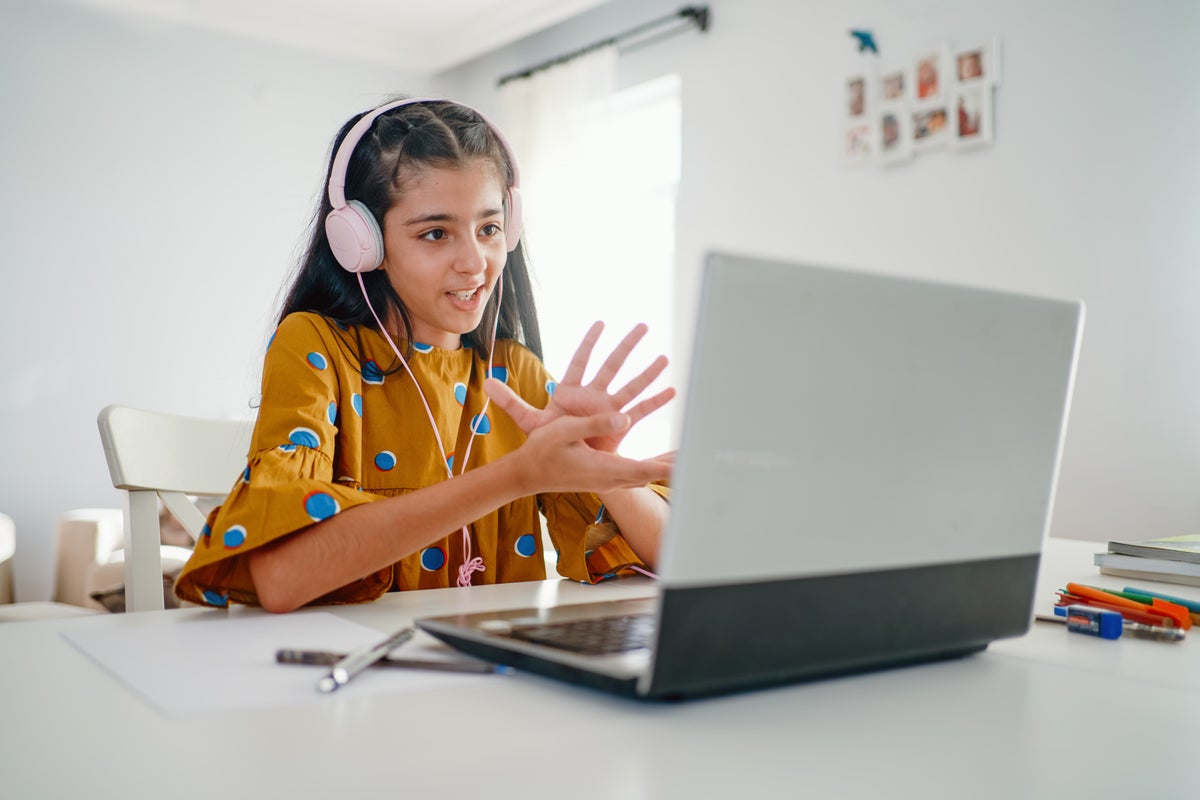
[235,536]
[331,413]
[371,373]
[320,505]
[421,347]
[550,387]
[304,437]
[481,424]
[215,599]
[206,531]
[526,545]
[432,559]
[385,460]
[356,401]
[460,392]
[246,475]
[316,361]
[450,461]
[500,374]
[287,448]
[271,341]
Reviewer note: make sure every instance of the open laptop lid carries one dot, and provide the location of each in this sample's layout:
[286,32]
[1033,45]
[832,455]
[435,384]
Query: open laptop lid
[866,474]
[840,422]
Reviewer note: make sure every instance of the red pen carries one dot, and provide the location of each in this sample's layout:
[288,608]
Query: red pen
[1176,612]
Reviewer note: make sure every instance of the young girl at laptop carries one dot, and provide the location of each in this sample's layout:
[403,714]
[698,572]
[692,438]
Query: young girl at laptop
[376,390]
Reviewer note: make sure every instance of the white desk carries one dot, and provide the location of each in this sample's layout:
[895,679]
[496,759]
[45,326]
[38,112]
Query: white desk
[1049,715]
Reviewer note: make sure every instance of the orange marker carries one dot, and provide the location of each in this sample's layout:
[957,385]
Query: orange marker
[1176,612]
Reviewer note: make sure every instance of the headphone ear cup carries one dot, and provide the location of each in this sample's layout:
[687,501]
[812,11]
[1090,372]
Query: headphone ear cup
[355,237]
[513,231]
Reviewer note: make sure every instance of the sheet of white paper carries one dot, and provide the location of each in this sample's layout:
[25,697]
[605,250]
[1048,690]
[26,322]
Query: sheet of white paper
[213,665]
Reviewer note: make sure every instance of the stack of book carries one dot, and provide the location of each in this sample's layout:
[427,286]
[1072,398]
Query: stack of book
[1175,559]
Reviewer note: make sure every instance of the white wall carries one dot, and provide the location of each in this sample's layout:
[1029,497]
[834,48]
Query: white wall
[157,185]
[1089,192]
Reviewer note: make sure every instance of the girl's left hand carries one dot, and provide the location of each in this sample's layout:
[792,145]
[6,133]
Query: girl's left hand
[573,398]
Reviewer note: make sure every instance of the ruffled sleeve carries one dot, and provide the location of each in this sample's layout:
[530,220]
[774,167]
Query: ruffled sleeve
[289,481]
[590,546]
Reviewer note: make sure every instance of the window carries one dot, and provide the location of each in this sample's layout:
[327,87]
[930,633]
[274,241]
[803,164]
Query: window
[602,244]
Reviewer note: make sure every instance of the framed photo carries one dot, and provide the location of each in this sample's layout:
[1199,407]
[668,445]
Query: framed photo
[895,133]
[893,85]
[930,127]
[929,82]
[857,147]
[856,97]
[972,107]
[974,63]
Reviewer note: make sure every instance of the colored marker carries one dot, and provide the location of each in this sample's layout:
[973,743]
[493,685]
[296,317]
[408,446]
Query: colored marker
[1191,605]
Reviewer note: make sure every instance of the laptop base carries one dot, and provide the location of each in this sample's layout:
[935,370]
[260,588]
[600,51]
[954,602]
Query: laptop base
[748,635]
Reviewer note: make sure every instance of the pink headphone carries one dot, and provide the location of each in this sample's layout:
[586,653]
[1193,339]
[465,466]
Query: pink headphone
[354,234]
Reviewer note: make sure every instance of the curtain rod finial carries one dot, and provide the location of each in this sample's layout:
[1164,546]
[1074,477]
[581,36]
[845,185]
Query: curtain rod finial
[698,14]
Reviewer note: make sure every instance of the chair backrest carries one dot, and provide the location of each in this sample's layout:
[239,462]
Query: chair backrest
[155,456]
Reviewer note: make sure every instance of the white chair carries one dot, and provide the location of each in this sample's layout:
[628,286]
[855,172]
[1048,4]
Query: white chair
[155,456]
[29,609]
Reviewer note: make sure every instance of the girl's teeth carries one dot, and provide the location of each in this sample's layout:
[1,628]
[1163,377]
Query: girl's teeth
[464,295]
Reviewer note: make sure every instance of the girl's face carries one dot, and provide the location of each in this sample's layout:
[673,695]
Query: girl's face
[444,249]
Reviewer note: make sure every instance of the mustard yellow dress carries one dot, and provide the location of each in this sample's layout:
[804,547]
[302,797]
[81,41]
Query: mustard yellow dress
[333,433]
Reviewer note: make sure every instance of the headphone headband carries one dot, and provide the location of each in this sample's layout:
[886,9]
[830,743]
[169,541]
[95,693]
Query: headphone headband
[354,234]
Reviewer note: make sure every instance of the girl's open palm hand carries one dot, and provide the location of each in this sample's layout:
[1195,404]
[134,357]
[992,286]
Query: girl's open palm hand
[574,398]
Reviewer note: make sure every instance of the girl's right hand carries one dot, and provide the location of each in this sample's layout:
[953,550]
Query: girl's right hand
[557,457]
[572,397]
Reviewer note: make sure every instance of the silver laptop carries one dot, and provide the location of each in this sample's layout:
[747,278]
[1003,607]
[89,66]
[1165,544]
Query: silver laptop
[865,480]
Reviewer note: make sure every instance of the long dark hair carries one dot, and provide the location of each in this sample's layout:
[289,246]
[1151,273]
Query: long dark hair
[410,137]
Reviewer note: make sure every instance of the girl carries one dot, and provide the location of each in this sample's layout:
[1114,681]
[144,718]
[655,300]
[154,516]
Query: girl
[407,352]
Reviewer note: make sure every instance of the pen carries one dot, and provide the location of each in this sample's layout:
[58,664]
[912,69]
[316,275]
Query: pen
[324,658]
[360,659]
[1190,605]
[1108,624]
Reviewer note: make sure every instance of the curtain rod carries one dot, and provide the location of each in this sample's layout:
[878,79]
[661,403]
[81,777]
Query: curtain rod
[684,18]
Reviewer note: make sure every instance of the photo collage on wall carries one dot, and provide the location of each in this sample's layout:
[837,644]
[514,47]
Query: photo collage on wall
[941,98]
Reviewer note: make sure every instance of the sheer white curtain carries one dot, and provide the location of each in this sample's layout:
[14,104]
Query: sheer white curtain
[599,171]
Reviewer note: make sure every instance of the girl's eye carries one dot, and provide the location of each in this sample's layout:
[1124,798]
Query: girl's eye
[491,229]
[435,235]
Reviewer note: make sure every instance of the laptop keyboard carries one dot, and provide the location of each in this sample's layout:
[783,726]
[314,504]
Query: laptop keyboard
[592,636]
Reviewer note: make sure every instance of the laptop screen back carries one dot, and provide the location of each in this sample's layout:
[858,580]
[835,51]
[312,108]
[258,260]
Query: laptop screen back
[840,422]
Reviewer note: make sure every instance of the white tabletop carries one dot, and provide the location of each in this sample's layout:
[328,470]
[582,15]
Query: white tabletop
[1050,714]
